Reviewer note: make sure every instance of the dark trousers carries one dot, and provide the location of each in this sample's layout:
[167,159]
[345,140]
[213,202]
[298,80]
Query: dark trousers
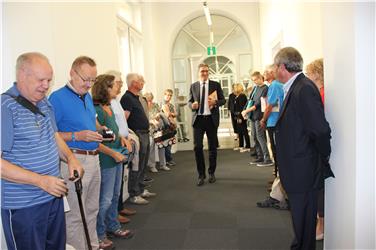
[121,202]
[37,227]
[233,122]
[168,154]
[243,134]
[202,125]
[303,207]
[321,202]
[271,133]
[136,178]
[260,141]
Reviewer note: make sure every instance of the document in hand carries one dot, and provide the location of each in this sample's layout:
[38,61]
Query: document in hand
[213,95]
[264,103]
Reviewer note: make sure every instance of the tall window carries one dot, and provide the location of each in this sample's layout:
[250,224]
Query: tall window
[130,39]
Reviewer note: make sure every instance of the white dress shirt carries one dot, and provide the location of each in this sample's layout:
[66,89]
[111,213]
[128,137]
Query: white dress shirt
[287,85]
[206,107]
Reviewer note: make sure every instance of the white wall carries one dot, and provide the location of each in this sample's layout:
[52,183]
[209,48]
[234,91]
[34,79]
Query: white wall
[166,20]
[349,52]
[294,23]
[61,31]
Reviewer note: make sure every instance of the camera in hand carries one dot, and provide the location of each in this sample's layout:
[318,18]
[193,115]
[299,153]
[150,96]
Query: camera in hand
[108,135]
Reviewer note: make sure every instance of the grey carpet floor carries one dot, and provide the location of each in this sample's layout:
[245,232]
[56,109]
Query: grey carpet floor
[222,215]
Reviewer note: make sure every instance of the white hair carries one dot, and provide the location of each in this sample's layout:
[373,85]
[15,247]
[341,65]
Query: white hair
[115,73]
[132,77]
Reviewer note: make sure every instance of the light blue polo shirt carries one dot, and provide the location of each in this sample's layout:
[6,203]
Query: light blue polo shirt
[275,98]
[28,141]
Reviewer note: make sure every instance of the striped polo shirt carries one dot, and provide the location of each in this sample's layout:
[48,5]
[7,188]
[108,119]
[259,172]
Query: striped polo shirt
[28,141]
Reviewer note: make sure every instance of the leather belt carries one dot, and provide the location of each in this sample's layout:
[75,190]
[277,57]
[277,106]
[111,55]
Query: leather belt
[85,152]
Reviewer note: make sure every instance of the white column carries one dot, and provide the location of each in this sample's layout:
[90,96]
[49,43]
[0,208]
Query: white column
[349,59]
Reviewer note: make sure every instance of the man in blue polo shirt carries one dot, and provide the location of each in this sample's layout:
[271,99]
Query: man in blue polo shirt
[76,122]
[274,101]
[31,191]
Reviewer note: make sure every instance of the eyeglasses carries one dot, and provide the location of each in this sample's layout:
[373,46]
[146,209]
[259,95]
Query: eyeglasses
[91,81]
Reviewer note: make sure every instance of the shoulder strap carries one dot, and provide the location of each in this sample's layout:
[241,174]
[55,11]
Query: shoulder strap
[253,92]
[26,104]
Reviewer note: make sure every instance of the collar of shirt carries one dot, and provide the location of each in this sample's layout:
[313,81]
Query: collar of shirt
[15,92]
[202,82]
[275,82]
[72,88]
[287,85]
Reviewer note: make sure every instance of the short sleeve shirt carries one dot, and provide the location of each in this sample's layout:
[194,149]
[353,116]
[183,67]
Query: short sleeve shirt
[74,113]
[137,119]
[275,98]
[28,141]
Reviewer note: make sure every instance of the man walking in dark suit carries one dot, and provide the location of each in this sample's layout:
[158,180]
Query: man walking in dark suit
[205,97]
[302,142]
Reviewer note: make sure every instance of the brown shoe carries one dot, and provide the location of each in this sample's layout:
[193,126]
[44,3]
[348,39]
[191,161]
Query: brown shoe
[121,233]
[105,244]
[127,211]
[122,219]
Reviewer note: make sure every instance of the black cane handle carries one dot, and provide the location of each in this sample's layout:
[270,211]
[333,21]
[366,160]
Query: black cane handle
[78,183]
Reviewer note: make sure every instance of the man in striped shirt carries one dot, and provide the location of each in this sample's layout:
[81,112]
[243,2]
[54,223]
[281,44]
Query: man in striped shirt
[31,188]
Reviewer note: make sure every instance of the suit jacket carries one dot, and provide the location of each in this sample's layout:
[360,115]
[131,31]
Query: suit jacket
[194,96]
[302,138]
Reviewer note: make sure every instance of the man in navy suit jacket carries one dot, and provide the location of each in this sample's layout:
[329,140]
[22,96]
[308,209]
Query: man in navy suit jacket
[302,142]
[205,97]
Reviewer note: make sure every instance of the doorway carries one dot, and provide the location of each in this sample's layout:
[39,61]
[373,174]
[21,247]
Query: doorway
[230,62]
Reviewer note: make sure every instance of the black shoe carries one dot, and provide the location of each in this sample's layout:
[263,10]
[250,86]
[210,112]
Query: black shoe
[170,163]
[148,179]
[268,202]
[258,160]
[281,205]
[200,182]
[212,178]
[145,185]
[265,164]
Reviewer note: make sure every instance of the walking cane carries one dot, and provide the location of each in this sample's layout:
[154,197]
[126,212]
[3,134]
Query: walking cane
[78,185]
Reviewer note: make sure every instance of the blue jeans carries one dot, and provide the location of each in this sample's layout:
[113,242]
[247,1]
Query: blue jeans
[108,200]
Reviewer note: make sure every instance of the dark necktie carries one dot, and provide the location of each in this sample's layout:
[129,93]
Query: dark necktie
[202,102]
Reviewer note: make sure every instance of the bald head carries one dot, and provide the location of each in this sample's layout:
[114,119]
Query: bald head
[33,74]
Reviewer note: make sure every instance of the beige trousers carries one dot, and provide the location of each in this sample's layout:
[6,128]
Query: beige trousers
[91,183]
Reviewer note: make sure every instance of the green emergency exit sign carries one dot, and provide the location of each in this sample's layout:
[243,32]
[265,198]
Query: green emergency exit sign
[212,51]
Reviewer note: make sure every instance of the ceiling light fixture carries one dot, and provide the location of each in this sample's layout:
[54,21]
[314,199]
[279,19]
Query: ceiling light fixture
[207,14]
